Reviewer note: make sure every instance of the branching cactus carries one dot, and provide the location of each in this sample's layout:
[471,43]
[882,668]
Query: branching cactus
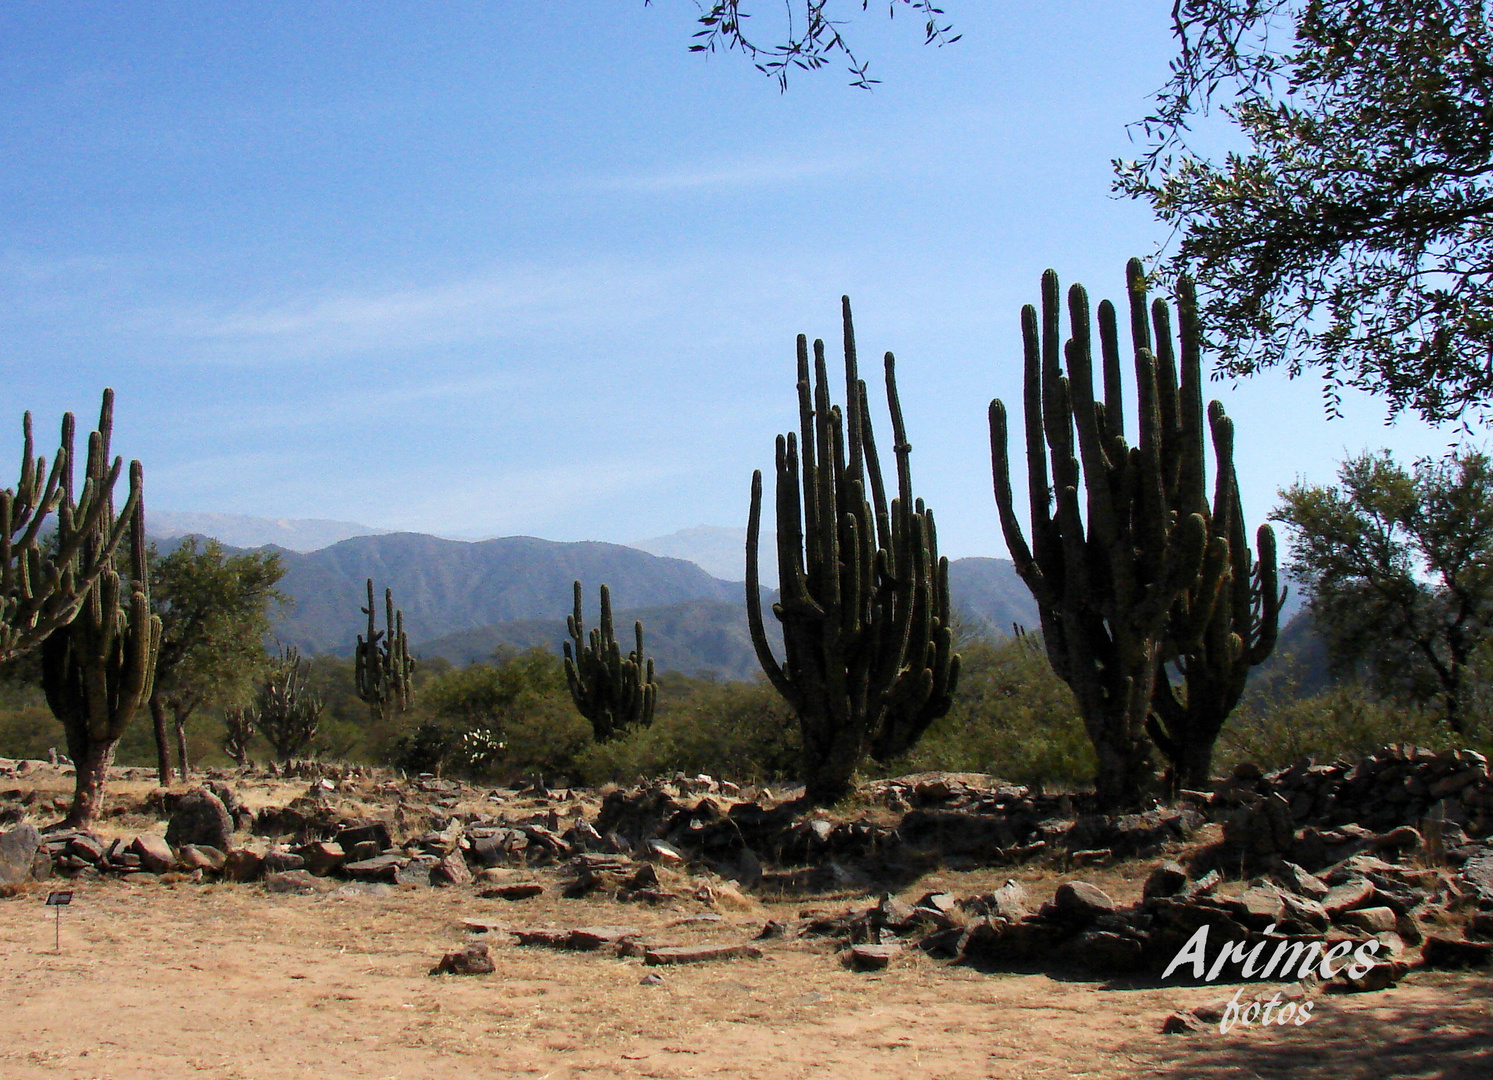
[867,643]
[98,669]
[1109,568]
[240,724]
[44,584]
[615,693]
[286,712]
[1213,639]
[382,668]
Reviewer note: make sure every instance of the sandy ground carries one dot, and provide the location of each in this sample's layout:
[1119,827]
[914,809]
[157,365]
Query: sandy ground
[163,981]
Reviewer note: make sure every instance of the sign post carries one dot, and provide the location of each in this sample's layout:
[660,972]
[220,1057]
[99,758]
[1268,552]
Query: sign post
[57,901]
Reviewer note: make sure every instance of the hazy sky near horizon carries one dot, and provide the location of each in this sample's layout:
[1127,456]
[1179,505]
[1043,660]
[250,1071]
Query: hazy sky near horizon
[483,269]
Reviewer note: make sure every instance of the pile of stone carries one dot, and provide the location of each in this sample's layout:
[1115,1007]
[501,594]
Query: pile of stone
[1409,910]
[949,817]
[1317,815]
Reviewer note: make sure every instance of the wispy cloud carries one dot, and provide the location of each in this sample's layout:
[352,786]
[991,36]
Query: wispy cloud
[737,174]
[504,303]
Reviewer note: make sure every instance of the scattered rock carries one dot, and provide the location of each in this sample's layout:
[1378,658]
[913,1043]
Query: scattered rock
[202,820]
[154,853]
[1168,879]
[520,890]
[299,882]
[694,954]
[473,960]
[18,848]
[872,957]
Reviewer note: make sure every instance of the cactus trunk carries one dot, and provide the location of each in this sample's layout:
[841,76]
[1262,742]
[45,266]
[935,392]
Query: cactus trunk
[97,671]
[382,668]
[868,659]
[1105,573]
[616,694]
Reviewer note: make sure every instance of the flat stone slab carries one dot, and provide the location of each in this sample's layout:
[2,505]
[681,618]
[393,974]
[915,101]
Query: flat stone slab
[580,939]
[695,954]
[523,890]
[872,957]
[482,926]
[1355,893]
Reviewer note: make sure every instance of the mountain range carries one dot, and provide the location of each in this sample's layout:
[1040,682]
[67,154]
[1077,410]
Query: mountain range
[463,599]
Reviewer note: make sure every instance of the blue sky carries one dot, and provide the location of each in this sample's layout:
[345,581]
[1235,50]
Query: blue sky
[486,269]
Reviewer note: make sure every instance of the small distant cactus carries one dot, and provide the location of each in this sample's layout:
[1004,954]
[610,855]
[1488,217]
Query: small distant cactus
[240,724]
[615,693]
[382,667]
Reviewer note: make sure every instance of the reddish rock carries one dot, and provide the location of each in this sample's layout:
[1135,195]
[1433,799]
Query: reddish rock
[523,890]
[694,954]
[1082,901]
[452,870]
[473,960]
[872,957]
[243,864]
[154,853]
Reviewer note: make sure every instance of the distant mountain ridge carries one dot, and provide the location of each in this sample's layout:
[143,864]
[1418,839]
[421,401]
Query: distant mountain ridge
[463,599]
[244,531]
[447,586]
[694,637]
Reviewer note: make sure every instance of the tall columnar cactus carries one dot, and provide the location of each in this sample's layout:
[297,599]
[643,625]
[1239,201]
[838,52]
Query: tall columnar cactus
[868,649]
[43,585]
[286,712]
[97,670]
[615,692]
[382,668]
[1108,574]
[1213,641]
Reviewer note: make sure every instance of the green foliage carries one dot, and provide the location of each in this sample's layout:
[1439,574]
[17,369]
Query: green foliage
[517,710]
[742,732]
[1012,717]
[867,642]
[1399,565]
[214,611]
[1345,720]
[812,35]
[1351,236]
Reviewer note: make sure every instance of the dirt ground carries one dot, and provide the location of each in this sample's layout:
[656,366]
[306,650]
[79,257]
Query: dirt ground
[227,981]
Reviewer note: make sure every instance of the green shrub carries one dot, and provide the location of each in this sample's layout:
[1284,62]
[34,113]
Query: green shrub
[736,731]
[1274,730]
[1012,717]
[517,710]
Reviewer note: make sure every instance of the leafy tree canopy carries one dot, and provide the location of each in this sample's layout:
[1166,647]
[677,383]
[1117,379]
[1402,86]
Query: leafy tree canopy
[1353,235]
[1399,565]
[807,35]
[215,614]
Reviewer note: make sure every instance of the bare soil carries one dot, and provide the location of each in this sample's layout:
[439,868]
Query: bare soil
[158,980]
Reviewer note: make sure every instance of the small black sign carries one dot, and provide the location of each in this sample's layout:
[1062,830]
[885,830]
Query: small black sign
[59,899]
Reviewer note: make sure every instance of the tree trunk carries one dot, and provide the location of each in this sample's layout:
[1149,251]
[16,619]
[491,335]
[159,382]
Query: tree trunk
[88,795]
[181,746]
[163,749]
